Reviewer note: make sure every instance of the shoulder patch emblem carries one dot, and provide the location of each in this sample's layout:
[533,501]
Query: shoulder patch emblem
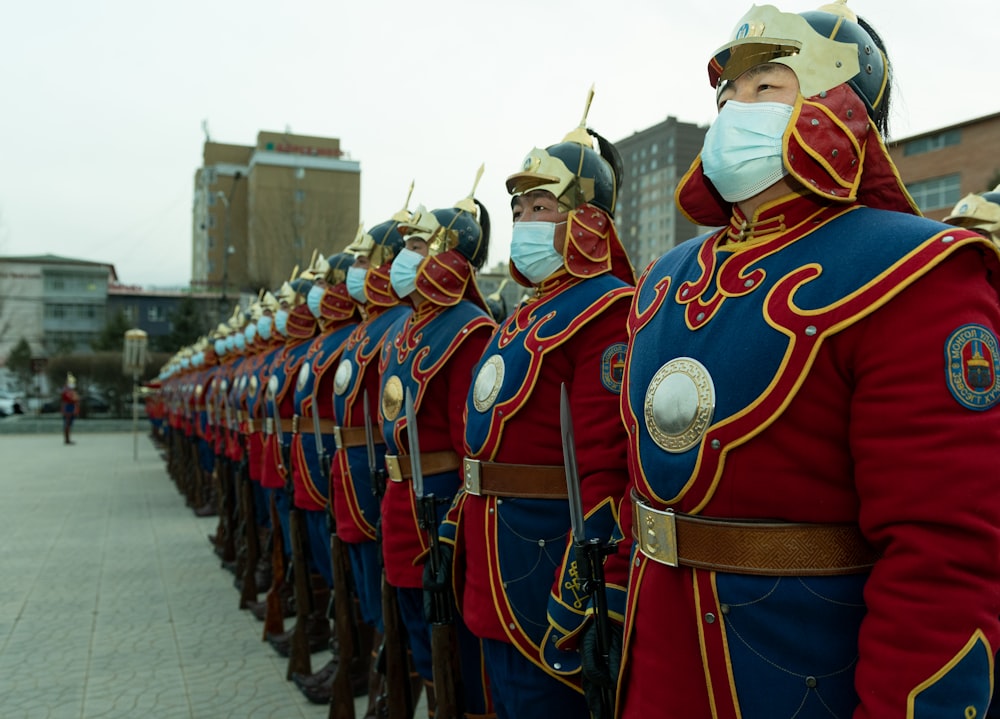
[972,356]
[613,367]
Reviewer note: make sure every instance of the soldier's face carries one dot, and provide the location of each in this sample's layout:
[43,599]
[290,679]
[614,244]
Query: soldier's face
[362,261]
[418,245]
[770,82]
[540,206]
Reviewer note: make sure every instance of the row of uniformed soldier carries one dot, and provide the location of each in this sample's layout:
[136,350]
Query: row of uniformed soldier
[800,481]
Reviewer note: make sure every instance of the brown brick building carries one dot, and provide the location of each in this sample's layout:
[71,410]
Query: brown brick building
[260,211]
[942,166]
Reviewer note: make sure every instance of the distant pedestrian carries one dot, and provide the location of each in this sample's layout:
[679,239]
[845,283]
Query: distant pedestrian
[70,402]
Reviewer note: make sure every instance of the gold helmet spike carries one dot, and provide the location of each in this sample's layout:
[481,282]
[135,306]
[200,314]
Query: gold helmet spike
[468,203]
[579,134]
[286,294]
[223,330]
[839,7]
[404,214]
[422,223]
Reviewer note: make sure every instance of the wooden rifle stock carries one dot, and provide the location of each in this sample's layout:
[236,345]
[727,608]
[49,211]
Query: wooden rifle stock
[444,640]
[399,700]
[248,518]
[274,622]
[342,695]
[298,650]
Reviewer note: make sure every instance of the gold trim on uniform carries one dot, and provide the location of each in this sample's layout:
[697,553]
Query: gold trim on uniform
[679,404]
[488,383]
[392,398]
[342,378]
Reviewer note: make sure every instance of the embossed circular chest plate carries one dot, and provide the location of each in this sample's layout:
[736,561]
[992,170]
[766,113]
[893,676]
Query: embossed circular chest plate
[679,404]
[488,383]
[392,398]
[303,377]
[253,385]
[342,378]
[272,387]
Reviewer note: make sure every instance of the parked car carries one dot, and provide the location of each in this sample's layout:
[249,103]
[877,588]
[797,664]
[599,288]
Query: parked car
[10,404]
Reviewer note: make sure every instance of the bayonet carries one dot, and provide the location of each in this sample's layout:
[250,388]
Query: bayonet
[590,553]
[414,441]
[318,434]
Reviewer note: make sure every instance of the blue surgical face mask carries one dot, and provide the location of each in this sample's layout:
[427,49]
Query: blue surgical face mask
[230,343]
[250,332]
[403,272]
[281,322]
[314,299]
[742,150]
[533,251]
[264,327]
[240,341]
[356,283]
[220,347]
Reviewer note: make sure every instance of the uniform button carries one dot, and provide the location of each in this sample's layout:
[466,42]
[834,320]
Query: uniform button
[709,618]
[716,444]
[511,626]
[724,608]
[811,682]
[701,316]
[557,665]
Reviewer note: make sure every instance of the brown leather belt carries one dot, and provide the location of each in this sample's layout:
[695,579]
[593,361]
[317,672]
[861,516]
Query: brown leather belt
[400,469]
[305,424]
[287,425]
[528,481]
[741,547]
[347,437]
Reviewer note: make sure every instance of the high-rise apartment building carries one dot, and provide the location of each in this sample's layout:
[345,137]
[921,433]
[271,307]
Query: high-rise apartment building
[655,159]
[260,211]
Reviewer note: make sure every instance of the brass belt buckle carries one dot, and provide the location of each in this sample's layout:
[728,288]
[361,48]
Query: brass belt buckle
[295,424]
[269,426]
[473,476]
[338,438]
[656,531]
[392,468]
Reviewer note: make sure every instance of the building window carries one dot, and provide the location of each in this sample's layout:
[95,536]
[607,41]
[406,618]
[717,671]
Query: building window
[156,313]
[653,148]
[933,142]
[936,193]
[300,195]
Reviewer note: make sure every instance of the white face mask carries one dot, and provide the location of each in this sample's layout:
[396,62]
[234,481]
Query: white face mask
[533,251]
[281,322]
[742,150]
[356,283]
[403,272]
[264,327]
[314,299]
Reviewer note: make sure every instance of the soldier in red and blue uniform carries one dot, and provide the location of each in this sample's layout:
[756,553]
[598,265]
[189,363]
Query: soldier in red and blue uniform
[331,306]
[811,397]
[514,567]
[355,500]
[431,353]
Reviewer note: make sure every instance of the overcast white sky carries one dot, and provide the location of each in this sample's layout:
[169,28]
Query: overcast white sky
[102,101]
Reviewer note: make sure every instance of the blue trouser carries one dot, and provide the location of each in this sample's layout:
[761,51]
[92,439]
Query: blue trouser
[318,529]
[367,573]
[261,505]
[283,505]
[206,455]
[520,689]
[411,610]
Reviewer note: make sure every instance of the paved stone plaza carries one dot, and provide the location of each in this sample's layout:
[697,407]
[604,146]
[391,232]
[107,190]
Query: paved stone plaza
[112,603]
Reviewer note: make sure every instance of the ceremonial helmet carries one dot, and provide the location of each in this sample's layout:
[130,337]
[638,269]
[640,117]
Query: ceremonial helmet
[458,242]
[585,182]
[833,144]
[824,48]
[980,212]
[463,228]
[572,170]
[380,245]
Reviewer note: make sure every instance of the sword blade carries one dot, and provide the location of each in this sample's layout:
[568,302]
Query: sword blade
[569,461]
[411,433]
[369,438]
